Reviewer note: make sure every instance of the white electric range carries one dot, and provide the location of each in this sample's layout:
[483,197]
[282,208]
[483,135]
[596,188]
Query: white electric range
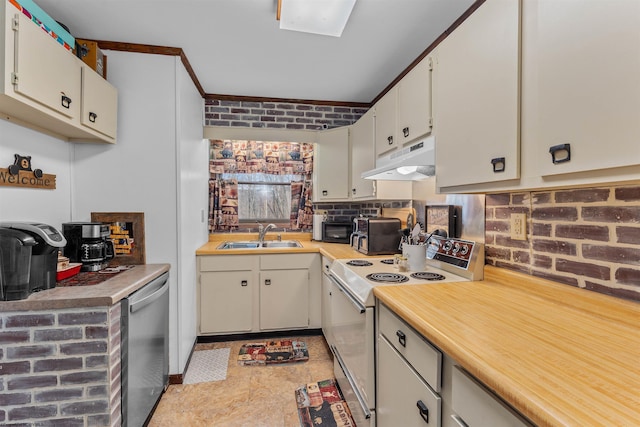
[353,310]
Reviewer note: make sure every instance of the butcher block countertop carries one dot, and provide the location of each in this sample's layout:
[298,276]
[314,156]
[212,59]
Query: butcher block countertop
[560,355]
[104,294]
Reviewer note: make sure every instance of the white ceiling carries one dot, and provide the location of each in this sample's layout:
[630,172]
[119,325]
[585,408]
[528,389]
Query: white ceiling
[236,48]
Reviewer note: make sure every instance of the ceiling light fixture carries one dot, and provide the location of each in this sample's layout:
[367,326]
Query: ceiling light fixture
[326,17]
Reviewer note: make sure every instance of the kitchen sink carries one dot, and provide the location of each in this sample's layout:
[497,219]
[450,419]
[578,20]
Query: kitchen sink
[257,245]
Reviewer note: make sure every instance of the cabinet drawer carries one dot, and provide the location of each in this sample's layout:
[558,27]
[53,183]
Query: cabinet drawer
[425,358]
[226,263]
[477,406]
[403,398]
[286,262]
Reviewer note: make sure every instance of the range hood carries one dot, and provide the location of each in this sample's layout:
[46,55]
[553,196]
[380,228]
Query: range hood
[413,163]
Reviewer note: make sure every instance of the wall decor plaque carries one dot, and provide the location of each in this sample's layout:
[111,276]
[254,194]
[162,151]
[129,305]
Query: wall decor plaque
[20,174]
[127,233]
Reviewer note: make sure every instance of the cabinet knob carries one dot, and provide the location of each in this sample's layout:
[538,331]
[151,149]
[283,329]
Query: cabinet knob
[244,283]
[353,191]
[92,117]
[499,164]
[390,140]
[267,282]
[405,132]
[65,101]
[402,338]
[560,153]
[424,411]
[325,193]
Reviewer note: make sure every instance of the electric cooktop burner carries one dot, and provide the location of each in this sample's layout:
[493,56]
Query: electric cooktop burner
[359,263]
[387,277]
[427,275]
[387,261]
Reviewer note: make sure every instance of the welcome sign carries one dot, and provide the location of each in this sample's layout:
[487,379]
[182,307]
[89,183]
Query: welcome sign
[20,174]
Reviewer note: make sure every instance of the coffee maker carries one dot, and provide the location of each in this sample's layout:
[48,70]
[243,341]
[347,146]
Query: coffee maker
[44,254]
[15,262]
[88,243]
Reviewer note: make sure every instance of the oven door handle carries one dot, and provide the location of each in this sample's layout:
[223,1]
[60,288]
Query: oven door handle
[347,374]
[357,304]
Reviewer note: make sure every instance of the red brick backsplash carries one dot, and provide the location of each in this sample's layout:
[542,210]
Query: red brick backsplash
[586,237]
[60,367]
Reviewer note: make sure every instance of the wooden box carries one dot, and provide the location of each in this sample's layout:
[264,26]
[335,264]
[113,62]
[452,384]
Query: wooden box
[91,55]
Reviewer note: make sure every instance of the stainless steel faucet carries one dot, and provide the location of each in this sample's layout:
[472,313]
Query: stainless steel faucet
[262,231]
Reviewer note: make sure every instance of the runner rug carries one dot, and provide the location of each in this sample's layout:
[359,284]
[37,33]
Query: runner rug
[321,403]
[207,365]
[264,353]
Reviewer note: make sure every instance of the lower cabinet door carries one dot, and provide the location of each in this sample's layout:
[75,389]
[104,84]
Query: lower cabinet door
[403,398]
[284,299]
[226,301]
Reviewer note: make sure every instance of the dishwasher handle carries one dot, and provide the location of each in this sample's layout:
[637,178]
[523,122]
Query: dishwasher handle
[140,304]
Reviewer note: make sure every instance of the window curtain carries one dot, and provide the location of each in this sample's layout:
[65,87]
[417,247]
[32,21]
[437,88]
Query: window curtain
[223,204]
[280,158]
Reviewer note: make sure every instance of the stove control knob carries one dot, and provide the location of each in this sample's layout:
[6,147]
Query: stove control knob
[447,245]
[464,250]
[456,247]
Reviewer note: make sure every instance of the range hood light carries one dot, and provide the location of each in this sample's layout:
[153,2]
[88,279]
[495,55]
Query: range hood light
[406,170]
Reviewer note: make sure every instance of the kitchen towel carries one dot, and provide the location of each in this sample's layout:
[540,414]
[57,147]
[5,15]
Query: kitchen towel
[207,365]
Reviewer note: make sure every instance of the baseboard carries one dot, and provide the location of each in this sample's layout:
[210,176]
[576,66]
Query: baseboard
[258,335]
[179,378]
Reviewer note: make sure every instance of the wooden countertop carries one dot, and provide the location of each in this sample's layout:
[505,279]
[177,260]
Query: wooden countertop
[330,250]
[562,356]
[106,293]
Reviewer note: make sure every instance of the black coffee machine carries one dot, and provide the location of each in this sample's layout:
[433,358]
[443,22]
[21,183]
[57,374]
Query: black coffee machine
[44,254]
[15,261]
[88,243]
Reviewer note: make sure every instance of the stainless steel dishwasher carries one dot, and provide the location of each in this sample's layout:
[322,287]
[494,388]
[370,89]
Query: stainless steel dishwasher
[144,350]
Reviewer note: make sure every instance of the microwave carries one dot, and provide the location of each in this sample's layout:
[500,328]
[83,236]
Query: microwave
[337,232]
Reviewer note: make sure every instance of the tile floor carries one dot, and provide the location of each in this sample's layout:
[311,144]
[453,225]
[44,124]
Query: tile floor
[251,396]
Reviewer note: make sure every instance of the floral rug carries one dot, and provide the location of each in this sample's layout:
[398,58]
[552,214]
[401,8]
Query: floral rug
[321,403]
[270,352]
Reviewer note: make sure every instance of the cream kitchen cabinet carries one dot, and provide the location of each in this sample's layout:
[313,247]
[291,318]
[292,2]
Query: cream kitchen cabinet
[363,156]
[581,99]
[257,293]
[476,98]
[404,114]
[227,293]
[44,87]
[331,165]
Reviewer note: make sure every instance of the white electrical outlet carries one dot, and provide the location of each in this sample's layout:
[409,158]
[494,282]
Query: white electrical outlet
[519,226]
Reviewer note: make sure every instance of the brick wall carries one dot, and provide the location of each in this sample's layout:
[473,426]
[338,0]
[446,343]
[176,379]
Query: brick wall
[278,115]
[57,367]
[588,237]
[344,212]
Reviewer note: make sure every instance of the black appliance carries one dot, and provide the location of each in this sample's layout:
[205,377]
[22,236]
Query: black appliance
[15,262]
[88,243]
[376,236]
[337,232]
[44,254]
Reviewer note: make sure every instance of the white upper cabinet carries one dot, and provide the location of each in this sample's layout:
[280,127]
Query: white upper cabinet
[414,103]
[476,98]
[43,72]
[403,114]
[331,170]
[582,84]
[45,87]
[386,110]
[363,157]
[99,103]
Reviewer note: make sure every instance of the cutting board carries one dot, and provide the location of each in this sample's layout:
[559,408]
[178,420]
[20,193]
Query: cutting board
[400,213]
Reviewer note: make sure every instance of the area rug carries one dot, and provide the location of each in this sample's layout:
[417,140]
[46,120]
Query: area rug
[207,365]
[321,403]
[265,353]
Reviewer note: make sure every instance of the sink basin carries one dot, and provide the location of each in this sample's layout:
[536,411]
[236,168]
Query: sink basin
[256,245]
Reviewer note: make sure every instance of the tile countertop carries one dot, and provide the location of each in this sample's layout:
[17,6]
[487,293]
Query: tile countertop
[560,355]
[106,293]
